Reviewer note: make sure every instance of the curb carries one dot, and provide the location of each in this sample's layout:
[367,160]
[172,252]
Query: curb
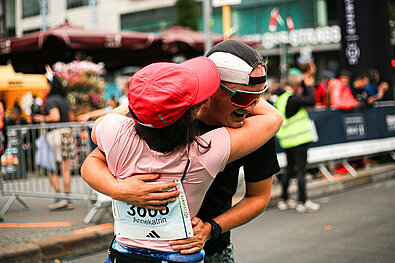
[48,249]
[55,247]
[23,253]
[320,188]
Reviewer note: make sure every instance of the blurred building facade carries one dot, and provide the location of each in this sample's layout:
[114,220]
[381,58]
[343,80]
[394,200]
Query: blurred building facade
[316,23]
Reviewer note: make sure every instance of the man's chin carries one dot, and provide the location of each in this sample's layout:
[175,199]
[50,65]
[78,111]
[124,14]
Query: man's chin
[236,124]
[237,120]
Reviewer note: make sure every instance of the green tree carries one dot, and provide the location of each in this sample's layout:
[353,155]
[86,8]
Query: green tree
[187,14]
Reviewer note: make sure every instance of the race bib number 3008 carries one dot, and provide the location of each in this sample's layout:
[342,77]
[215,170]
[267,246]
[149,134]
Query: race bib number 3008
[172,223]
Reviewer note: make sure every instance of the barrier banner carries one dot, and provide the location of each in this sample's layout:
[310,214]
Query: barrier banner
[338,126]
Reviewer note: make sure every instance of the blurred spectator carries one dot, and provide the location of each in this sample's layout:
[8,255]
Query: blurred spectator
[374,89]
[270,95]
[3,133]
[35,108]
[16,116]
[57,109]
[308,70]
[321,91]
[340,96]
[295,137]
[111,104]
[345,77]
[358,89]
[123,100]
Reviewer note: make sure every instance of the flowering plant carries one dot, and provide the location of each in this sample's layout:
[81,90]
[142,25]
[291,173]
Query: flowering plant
[84,83]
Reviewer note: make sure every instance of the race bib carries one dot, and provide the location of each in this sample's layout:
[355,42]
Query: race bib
[172,223]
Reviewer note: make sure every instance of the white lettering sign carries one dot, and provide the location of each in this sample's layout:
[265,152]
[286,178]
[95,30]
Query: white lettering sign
[354,126]
[390,120]
[299,37]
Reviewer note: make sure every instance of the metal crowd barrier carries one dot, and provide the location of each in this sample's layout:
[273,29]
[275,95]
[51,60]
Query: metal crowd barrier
[26,162]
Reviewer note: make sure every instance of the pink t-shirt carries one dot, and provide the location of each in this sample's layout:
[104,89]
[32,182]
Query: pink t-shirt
[128,154]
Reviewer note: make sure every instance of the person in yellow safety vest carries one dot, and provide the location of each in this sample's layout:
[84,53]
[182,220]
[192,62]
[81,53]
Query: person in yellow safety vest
[295,136]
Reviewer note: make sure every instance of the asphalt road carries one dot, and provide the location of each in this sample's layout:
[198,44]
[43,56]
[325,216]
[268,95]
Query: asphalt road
[357,225]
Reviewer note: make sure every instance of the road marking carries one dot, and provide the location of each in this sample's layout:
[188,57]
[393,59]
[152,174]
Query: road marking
[40,224]
[93,228]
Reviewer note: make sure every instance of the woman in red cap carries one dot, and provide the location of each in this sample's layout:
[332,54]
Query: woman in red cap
[161,137]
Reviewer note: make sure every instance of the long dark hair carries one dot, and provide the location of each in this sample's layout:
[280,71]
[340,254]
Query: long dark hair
[179,134]
[57,87]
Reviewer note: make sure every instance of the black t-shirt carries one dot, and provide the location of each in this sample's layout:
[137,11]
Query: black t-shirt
[57,101]
[258,166]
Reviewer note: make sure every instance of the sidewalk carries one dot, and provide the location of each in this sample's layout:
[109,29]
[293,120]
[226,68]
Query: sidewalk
[39,235]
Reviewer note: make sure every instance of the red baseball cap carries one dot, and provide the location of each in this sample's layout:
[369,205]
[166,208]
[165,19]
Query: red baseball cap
[160,93]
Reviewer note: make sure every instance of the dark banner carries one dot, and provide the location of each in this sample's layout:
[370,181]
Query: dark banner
[366,37]
[338,126]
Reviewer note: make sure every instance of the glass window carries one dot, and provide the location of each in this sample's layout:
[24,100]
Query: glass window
[154,20]
[77,3]
[254,16]
[10,17]
[30,8]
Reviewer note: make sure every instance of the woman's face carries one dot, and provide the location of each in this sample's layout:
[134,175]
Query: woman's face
[196,109]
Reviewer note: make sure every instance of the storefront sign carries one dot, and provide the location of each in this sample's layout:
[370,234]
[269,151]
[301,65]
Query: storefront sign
[300,37]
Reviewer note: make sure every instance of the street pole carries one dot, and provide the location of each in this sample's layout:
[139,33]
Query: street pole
[208,43]
[283,60]
[226,22]
[92,4]
[43,14]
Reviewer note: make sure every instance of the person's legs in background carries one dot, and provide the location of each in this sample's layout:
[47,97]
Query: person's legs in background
[66,182]
[300,154]
[304,205]
[58,203]
[285,202]
[67,156]
[288,174]
[60,140]
[54,140]
[55,182]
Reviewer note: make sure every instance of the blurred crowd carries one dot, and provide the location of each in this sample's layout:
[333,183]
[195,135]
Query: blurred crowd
[18,117]
[341,91]
[333,91]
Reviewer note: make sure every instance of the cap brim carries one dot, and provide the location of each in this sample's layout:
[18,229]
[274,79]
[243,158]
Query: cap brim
[208,76]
